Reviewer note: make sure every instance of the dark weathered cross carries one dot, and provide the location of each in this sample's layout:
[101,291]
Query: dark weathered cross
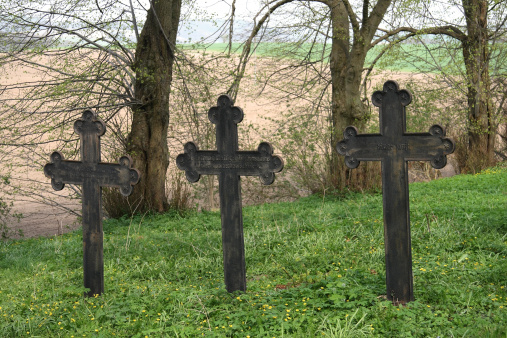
[92,175]
[394,147]
[229,164]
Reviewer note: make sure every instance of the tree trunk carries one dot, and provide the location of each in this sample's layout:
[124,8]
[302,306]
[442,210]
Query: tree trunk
[340,114]
[481,132]
[346,66]
[148,137]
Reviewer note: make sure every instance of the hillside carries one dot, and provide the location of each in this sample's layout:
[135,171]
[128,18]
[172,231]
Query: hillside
[314,267]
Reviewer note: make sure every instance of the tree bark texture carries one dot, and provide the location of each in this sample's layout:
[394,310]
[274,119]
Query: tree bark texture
[147,142]
[481,131]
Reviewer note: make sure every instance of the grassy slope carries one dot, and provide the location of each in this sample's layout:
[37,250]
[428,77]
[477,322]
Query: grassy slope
[415,57]
[314,267]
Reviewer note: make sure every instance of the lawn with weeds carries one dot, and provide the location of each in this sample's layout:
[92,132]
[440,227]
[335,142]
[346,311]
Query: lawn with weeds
[315,267]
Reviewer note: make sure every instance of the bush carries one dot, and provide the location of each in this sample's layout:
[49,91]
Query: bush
[6,214]
[117,205]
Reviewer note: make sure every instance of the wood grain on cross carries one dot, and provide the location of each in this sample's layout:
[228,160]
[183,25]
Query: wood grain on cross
[92,175]
[394,147]
[229,164]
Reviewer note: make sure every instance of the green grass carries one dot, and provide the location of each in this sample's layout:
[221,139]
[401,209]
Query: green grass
[315,267]
[405,57]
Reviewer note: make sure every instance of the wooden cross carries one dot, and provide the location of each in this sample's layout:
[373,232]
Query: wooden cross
[92,175]
[394,147]
[229,164]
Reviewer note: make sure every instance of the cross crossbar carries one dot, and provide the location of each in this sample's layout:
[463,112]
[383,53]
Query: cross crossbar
[260,163]
[104,174]
[408,146]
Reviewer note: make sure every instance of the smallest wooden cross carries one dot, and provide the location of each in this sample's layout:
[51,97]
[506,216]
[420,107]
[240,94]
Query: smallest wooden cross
[92,175]
[394,147]
[229,164]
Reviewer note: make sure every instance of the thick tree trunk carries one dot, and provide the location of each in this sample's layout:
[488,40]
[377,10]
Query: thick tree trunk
[346,66]
[340,113]
[148,137]
[481,131]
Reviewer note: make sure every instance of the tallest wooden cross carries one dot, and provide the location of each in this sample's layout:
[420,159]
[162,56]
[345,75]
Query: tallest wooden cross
[394,147]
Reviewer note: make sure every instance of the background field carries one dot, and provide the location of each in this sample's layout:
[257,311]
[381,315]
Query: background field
[405,57]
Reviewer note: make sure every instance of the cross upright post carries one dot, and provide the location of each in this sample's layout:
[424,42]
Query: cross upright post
[229,164]
[92,175]
[394,147]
